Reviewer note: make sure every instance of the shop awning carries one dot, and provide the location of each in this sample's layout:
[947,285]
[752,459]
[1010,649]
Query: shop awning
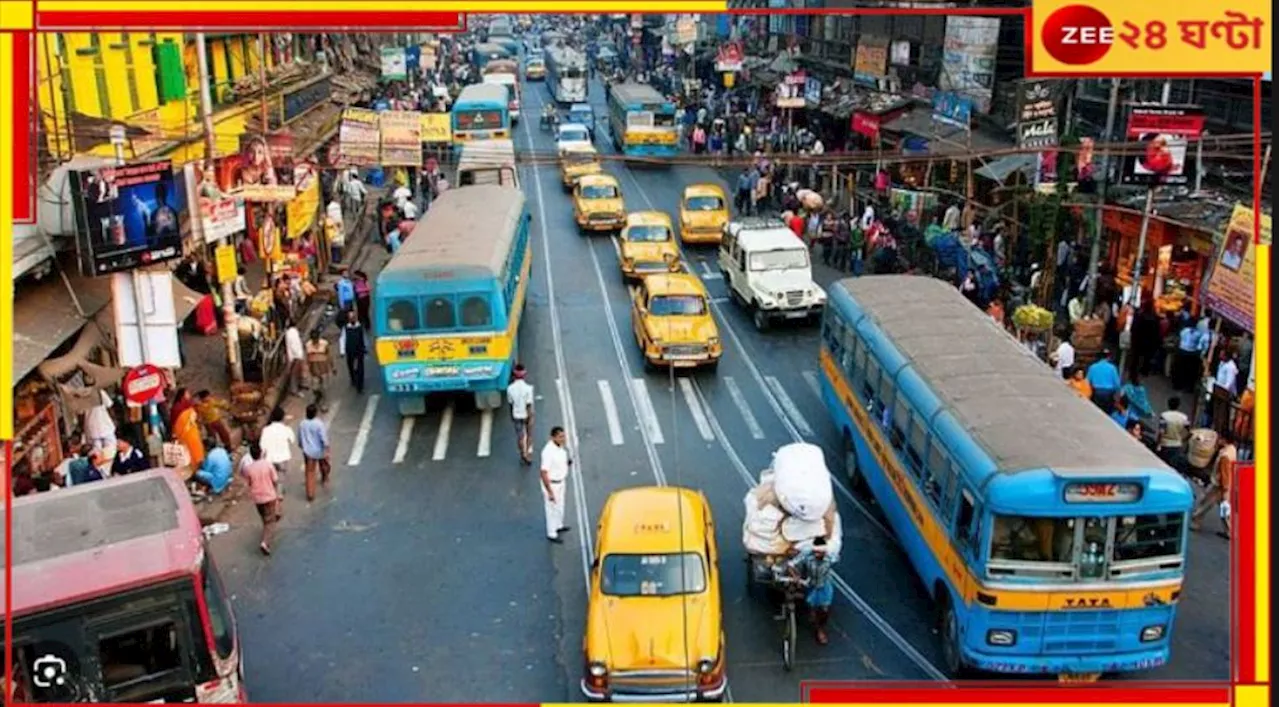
[45,317]
[999,169]
[944,139]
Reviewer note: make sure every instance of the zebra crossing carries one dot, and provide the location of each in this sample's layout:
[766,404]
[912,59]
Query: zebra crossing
[451,432]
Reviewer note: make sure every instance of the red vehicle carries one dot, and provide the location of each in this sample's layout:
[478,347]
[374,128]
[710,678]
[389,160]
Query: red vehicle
[115,598]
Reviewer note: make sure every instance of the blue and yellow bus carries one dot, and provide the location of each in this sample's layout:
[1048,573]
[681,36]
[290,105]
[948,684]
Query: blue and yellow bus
[485,52]
[482,112]
[448,306]
[643,121]
[1052,541]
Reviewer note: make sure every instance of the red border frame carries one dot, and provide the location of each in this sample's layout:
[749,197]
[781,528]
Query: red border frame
[1244,573]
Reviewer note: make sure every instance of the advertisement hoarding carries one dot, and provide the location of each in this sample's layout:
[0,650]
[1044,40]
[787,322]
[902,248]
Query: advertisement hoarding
[128,216]
[1163,134]
[790,93]
[869,60]
[436,128]
[221,214]
[952,109]
[395,65]
[1037,113]
[969,58]
[401,136]
[1231,289]
[358,137]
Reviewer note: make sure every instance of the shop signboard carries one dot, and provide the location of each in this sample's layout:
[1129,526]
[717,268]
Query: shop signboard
[686,30]
[358,136]
[224,261]
[1231,287]
[143,305]
[865,124]
[222,214]
[869,60]
[301,213]
[401,133]
[969,58]
[262,171]
[729,57]
[394,64]
[1163,133]
[900,53]
[790,93]
[952,109]
[128,215]
[812,91]
[1037,113]
[297,101]
[436,128]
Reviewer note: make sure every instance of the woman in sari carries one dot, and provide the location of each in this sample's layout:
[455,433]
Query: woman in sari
[186,430]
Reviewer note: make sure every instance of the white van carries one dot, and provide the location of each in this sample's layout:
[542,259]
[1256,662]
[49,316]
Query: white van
[767,269]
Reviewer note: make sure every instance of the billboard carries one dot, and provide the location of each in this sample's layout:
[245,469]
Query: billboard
[952,109]
[128,215]
[358,137]
[1163,133]
[1231,287]
[221,214]
[394,64]
[1037,113]
[869,60]
[969,58]
[401,133]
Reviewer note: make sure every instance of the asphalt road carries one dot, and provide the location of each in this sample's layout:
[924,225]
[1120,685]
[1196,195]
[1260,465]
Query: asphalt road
[423,575]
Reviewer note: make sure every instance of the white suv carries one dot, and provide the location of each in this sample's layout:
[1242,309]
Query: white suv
[767,270]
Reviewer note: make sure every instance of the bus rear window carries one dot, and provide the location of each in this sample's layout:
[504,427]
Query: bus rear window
[479,119]
[664,120]
[139,656]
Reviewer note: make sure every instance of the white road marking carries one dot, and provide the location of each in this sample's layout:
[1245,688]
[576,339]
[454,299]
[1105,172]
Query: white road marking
[406,431]
[442,434]
[789,406]
[707,272]
[617,246]
[611,413]
[719,300]
[486,434]
[562,372]
[740,401]
[699,416]
[362,435]
[644,405]
[811,379]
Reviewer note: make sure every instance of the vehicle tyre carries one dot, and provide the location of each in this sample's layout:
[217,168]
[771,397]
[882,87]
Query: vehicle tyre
[789,638]
[759,318]
[949,631]
[713,366]
[857,482]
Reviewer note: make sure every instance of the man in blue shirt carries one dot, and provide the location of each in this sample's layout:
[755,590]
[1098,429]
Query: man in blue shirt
[313,437]
[215,472]
[1105,379]
[346,290]
[814,566]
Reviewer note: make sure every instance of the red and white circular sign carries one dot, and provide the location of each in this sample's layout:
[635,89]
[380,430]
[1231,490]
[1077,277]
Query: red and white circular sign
[142,384]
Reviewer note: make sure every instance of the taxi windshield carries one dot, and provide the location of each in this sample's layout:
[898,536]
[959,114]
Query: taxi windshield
[704,203]
[662,575]
[574,133]
[600,191]
[677,306]
[648,234]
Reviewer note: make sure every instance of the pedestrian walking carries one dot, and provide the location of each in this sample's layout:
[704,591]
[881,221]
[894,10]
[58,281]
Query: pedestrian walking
[345,289]
[555,470]
[520,397]
[319,361]
[814,566]
[1218,495]
[1105,379]
[263,480]
[351,346]
[1175,428]
[277,441]
[295,357]
[364,295]
[313,437]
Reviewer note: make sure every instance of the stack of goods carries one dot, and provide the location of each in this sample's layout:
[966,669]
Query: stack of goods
[1030,317]
[810,200]
[1200,447]
[793,504]
[1086,338]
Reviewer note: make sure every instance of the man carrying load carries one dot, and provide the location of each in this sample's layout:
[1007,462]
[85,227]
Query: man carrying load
[814,566]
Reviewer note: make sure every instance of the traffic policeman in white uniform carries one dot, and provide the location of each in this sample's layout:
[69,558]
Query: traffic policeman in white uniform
[555,471]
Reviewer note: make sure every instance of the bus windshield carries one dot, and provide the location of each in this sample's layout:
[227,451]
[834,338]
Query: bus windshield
[653,575]
[1028,546]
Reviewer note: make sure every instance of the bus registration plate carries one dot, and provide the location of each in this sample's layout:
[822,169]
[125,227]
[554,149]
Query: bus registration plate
[1076,678]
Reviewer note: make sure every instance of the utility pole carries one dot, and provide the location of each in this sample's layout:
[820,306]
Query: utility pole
[229,319]
[1094,249]
[262,79]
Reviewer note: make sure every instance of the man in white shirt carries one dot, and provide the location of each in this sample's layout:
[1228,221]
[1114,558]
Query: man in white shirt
[295,357]
[1224,392]
[555,470]
[277,441]
[99,427]
[1064,358]
[868,217]
[520,397]
[402,193]
[409,209]
[951,219]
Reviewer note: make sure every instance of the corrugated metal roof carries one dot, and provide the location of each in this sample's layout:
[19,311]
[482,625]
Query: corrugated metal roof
[467,230]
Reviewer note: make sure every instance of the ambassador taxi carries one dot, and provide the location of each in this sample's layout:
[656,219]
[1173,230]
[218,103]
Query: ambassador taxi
[598,204]
[648,245]
[704,211]
[671,317]
[535,70]
[578,160]
[654,630]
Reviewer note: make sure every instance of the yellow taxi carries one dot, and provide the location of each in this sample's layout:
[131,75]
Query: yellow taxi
[671,316]
[704,211]
[597,203]
[654,629]
[535,70]
[578,159]
[648,245]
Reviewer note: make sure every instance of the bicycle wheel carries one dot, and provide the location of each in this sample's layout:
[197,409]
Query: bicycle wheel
[789,635]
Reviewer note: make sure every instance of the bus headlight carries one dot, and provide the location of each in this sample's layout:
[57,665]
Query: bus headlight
[1001,637]
[1152,633]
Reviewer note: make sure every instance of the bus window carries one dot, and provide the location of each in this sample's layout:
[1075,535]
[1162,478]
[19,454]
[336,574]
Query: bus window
[936,472]
[476,312]
[847,339]
[967,524]
[1020,539]
[916,448]
[440,313]
[831,333]
[901,420]
[1148,537]
[402,315]
[664,120]
[869,383]
[859,362]
[886,387]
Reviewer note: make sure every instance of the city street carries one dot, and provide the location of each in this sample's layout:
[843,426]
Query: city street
[424,574]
